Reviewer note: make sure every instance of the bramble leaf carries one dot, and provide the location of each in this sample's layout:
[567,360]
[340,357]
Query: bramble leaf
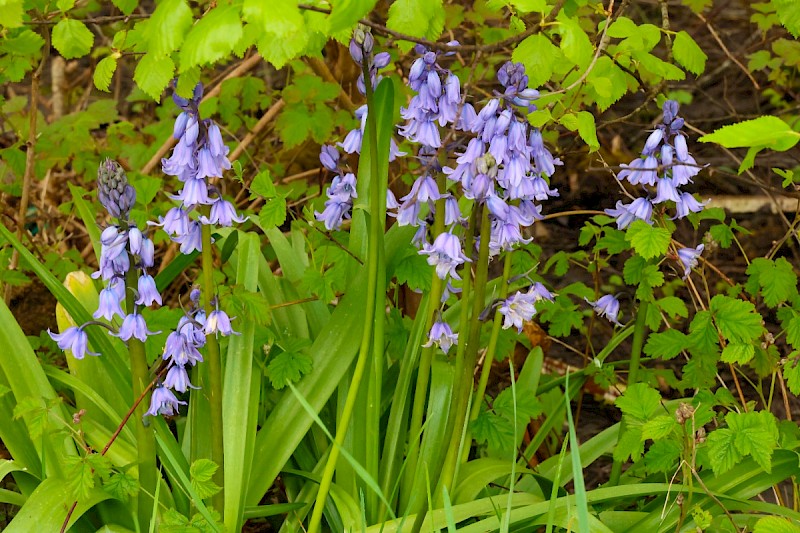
[72,38]
[666,344]
[212,38]
[738,353]
[288,367]
[789,14]
[201,472]
[639,401]
[648,241]
[659,427]
[776,280]
[736,319]
[775,524]
[167,27]
[273,214]
[662,456]
[539,56]
[122,486]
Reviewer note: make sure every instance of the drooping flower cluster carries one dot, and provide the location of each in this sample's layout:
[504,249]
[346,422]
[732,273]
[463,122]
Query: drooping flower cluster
[606,306]
[123,246]
[342,191]
[666,165]
[521,306]
[198,155]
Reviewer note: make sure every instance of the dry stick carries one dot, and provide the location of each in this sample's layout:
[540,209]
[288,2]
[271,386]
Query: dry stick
[30,144]
[245,66]
[728,53]
[116,434]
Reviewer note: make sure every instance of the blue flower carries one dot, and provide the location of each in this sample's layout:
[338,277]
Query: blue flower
[147,291]
[218,322]
[688,258]
[445,254]
[134,326]
[178,379]
[517,309]
[110,302]
[74,339]
[607,306]
[163,402]
[442,336]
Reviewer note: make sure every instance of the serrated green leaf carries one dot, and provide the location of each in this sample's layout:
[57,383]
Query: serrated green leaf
[201,472]
[11,13]
[562,315]
[153,74]
[167,27]
[736,319]
[539,55]
[659,427]
[789,14]
[493,430]
[273,214]
[775,524]
[754,434]
[65,5]
[776,280]
[72,38]
[648,241]
[658,67]
[527,407]
[673,306]
[414,271]
[588,130]
[722,452]
[639,401]
[767,132]
[791,372]
[666,344]
[212,38]
[662,456]
[104,71]
[793,331]
[722,234]
[606,74]
[688,53]
[262,186]
[702,333]
[575,44]
[419,18]
[630,444]
[739,353]
[121,486]
[288,367]
[126,6]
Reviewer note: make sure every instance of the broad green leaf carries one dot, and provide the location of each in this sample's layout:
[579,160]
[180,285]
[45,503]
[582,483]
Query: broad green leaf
[721,450]
[273,214]
[666,344]
[659,427]
[776,524]
[574,42]
[346,13]
[793,331]
[639,401]
[126,6]
[662,456]
[65,5]
[72,38]
[38,513]
[262,186]
[201,473]
[104,71]
[738,353]
[648,241]
[688,53]
[167,27]
[767,132]
[776,280]
[282,29]
[737,319]
[539,55]
[212,38]
[607,82]
[789,15]
[755,434]
[153,74]
[588,130]
[288,367]
[419,18]
[11,13]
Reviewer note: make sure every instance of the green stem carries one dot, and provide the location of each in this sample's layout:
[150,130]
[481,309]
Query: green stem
[145,440]
[425,359]
[490,350]
[214,363]
[376,226]
[639,333]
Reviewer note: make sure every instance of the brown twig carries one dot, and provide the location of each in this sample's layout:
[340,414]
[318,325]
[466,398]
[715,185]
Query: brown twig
[728,53]
[30,144]
[94,20]
[244,67]
[113,438]
[255,130]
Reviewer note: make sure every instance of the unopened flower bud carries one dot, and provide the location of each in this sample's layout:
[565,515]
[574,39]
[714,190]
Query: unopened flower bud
[113,189]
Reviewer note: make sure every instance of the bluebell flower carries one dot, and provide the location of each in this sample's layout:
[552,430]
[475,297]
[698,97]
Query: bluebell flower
[223,214]
[163,402]
[135,239]
[109,304]
[74,339]
[517,309]
[147,253]
[218,322]
[445,254]
[606,306]
[191,240]
[134,326]
[640,209]
[148,294]
[688,258]
[177,378]
[441,335]
[687,204]
[181,349]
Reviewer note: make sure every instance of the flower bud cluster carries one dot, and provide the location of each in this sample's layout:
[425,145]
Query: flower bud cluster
[667,165]
[122,246]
